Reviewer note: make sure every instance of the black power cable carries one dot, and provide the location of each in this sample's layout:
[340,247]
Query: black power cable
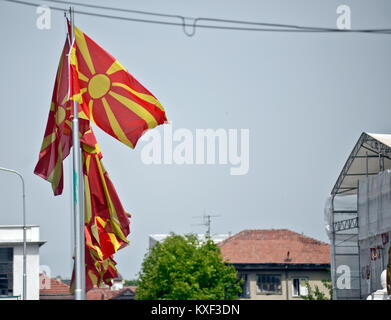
[266,27]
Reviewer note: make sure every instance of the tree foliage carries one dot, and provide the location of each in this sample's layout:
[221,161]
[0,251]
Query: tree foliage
[316,294]
[182,268]
[132,282]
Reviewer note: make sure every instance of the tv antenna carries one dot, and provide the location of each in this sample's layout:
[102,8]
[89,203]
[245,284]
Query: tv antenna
[206,221]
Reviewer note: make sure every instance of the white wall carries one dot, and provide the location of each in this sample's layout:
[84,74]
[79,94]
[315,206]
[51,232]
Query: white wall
[12,236]
[32,271]
[15,233]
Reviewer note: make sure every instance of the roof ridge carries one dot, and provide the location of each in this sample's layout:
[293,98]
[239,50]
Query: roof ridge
[268,231]
[272,246]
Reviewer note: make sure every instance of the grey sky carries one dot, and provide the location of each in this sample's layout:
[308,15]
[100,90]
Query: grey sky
[305,98]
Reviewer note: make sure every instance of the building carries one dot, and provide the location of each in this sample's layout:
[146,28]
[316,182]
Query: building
[118,283]
[275,264]
[11,262]
[358,218]
[125,293]
[56,289]
[217,238]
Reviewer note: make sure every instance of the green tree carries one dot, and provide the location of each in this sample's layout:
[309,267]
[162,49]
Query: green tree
[183,268]
[132,282]
[316,294]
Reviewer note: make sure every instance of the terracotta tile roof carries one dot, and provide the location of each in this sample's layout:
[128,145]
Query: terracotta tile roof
[107,293]
[272,246]
[60,290]
[55,287]
[133,288]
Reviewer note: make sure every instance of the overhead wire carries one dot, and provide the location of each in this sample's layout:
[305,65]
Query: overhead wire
[195,20]
[262,26]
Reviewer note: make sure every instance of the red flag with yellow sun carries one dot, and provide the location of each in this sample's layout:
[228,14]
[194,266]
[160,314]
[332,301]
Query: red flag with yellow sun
[110,96]
[117,103]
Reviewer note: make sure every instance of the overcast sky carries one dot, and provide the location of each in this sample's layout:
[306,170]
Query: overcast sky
[305,98]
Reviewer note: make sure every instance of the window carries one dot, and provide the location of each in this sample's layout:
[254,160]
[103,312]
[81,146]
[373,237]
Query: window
[6,258]
[268,284]
[245,286]
[299,287]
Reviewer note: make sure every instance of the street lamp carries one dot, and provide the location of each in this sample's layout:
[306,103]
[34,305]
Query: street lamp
[24,228]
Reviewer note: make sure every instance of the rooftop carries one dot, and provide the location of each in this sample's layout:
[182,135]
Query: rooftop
[60,290]
[55,287]
[107,293]
[13,235]
[17,226]
[370,155]
[270,246]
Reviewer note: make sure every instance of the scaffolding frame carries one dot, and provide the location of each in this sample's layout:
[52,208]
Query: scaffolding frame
[370,155]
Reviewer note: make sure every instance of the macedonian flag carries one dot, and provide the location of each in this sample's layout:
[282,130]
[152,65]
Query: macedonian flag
[57,139]
[116,102]
[105,217]
[110,96]
[106,222]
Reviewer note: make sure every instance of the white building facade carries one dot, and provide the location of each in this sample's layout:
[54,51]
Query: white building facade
[11,262]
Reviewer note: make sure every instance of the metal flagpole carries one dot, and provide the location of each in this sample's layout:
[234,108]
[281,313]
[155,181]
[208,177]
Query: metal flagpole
[80,284]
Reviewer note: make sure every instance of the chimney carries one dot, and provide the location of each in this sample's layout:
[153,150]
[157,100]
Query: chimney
[288,258]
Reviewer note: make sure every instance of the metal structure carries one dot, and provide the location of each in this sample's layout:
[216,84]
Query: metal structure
[346,224]
[370,155]
[207,222]
[24,230]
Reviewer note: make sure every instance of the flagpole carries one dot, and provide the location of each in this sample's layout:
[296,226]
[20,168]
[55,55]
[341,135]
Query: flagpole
[80,283]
